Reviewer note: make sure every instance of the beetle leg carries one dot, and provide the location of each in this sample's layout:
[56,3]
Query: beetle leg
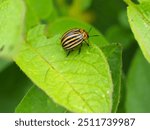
[80,49]
[68,53]
[86,43]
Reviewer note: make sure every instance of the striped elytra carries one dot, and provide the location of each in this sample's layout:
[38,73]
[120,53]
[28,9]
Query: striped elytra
[73,38]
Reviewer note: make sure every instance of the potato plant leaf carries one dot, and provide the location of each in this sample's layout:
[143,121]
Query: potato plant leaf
[113,52]
[138,85]
[14,84]
[80,82]
[11,26]
[34,101]
[139,19]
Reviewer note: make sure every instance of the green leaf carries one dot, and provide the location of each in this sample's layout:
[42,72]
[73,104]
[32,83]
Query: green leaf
[37,101]
[13,86]
[39,11]
[139,19]
[138,85]
[11,26]
[113,53]
[80,82]
[143,1]
[3,64]
[121,107]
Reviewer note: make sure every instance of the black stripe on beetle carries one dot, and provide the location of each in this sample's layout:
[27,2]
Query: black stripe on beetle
[73,38]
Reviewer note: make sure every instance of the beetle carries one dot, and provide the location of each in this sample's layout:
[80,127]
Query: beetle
[74,37]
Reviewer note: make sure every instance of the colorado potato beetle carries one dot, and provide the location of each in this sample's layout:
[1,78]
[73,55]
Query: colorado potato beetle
[73,38]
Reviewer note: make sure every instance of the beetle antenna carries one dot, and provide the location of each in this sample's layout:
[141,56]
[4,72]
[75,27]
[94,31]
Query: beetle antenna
[94,35]
[90,29]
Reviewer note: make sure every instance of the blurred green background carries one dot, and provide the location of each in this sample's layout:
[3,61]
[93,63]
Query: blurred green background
[110,18]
